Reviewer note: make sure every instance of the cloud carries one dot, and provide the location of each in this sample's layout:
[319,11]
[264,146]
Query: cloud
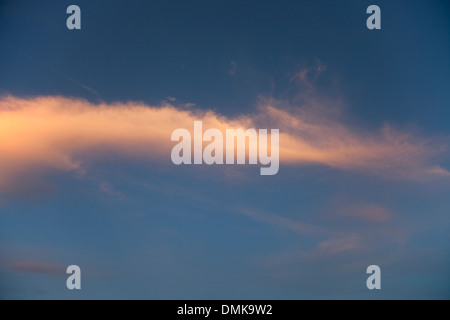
[282,222]
[364,211]
[319,135]
[108,189]
[437,170]
[233,68]
[339,245]
[62,74]
[50,269]
[330,254]
[308,75]
[42,135]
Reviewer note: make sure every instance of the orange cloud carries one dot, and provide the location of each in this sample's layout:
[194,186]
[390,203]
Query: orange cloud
[311,136]
[53,133]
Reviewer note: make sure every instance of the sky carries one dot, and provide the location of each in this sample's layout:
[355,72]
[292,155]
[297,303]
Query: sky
[86,176]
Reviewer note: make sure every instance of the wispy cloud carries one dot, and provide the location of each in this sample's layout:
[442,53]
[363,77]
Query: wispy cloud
[332,251]
[233,68]
[365,211]
[281,222]
[50,269]
[47,134]
[63,75]
[308,75]
[318,135]
[339,245]
[108,189]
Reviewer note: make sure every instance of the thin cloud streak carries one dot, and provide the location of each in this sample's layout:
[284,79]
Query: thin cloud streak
[364,211]
[56,71]
[282,222]
[339,245]
[50,269]
[56,134]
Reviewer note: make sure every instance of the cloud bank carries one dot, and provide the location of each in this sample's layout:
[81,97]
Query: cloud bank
[59,134]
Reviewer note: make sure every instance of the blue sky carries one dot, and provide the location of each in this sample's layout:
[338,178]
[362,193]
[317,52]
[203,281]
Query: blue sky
[88,180]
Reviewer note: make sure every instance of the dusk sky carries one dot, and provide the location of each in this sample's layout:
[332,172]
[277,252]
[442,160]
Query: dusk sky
[86,176]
